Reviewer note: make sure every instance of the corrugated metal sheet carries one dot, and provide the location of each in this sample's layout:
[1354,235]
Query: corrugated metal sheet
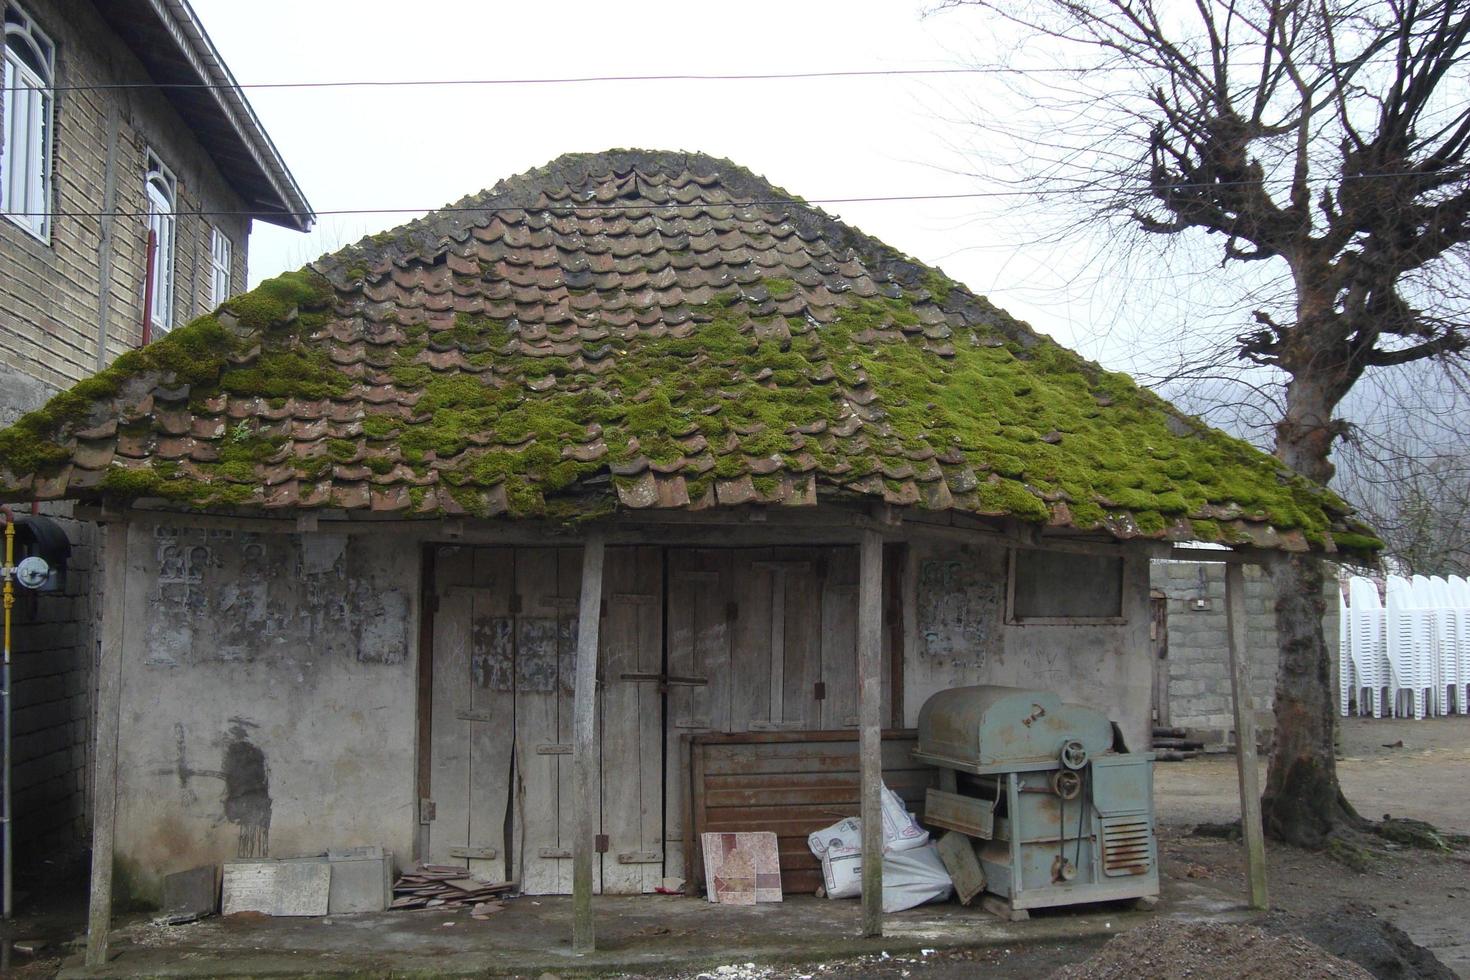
[791,783]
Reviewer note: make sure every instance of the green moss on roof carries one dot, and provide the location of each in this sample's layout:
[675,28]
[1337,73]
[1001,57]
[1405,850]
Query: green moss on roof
[748,383]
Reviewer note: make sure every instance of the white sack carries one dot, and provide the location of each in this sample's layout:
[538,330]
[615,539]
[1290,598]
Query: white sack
[847,832]
[913,877]
[900,830]
[842,871]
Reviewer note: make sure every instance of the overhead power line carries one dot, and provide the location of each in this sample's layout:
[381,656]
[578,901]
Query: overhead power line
[569,206]
[572,79]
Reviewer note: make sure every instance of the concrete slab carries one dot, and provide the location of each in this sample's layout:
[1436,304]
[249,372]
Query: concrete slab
[532,935]
[192,894]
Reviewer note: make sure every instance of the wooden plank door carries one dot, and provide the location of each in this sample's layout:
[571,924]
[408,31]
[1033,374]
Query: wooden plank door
[472,711]
[699,615]
[839,707]
[547,581]
[777,648]
[632,721]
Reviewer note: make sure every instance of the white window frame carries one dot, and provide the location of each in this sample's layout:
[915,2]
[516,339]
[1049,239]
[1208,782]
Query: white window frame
[30,108]
[162,191]
[221,254]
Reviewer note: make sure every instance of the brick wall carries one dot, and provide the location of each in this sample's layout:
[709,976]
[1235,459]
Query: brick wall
[59,323]
[1199,666]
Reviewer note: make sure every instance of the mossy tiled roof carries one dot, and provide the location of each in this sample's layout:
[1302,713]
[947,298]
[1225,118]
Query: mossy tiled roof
[646,330]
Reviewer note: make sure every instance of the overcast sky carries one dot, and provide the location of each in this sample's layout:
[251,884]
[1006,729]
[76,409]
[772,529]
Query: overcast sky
[420,148]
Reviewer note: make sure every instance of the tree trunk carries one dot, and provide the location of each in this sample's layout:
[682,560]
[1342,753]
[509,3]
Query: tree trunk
[1303,802]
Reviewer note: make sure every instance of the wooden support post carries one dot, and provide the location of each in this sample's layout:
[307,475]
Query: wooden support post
[1245,735]
[104,773]
[870,745]
[584,746]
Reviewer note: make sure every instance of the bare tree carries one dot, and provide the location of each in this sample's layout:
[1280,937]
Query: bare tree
[1323,141]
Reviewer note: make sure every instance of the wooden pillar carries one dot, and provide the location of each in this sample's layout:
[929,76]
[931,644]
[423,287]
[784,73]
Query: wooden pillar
[1245,735]
[104,773]
[870,745]
[584,745]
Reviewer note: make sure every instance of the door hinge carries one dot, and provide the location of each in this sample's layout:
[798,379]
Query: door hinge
[427,811]
[819,691]
[599,843]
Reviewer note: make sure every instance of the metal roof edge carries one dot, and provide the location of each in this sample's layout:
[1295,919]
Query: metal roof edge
[193,41]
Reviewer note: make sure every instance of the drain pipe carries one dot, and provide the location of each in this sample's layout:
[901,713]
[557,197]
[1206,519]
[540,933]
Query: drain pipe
[9,601]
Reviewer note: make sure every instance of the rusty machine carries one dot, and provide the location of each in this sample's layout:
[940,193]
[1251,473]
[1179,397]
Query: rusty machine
[1057,810]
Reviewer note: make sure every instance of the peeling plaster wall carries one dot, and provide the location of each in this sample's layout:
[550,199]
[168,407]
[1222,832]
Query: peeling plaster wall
[963,587]
[268,697]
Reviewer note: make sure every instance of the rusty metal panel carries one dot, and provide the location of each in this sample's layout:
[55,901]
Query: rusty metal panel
[1127,846]
[968,814]
[790,783]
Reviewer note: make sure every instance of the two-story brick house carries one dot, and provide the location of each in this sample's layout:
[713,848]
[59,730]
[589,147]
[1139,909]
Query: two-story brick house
[132,170]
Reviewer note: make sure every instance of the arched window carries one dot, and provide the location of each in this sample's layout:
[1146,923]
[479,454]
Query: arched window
[30,73]
[163,195]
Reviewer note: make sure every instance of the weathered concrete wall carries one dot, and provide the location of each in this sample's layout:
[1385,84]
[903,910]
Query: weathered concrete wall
[268,697]
[1105,666]
[1199,666]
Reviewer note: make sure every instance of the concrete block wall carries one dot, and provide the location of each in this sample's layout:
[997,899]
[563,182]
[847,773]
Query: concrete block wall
[1199,697]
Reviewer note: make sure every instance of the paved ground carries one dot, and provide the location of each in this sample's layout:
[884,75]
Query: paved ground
[668,937]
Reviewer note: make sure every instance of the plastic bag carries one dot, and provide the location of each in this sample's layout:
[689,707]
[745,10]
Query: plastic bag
[912,877]
[900,830]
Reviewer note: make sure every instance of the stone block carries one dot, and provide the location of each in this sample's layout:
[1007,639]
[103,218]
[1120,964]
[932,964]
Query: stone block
[190,895]
[362,879]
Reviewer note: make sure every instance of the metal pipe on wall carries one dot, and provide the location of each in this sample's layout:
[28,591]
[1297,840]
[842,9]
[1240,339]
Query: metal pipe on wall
[7,847]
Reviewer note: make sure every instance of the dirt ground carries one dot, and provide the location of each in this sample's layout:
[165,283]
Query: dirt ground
[1426,777]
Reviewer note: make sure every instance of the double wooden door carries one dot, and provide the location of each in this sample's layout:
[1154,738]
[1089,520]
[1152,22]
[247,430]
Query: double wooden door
[691,640]
[504,658]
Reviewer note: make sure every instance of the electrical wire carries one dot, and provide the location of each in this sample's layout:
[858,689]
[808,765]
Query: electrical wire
[570,206]
[577,79]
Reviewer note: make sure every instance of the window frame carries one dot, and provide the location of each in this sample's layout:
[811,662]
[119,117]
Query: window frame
[1011,619]
[221,266]
[31,215]
[161,189]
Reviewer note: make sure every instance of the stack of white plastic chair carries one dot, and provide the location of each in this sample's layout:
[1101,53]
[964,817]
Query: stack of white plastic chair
[1447,687]
[1346,676]
[1410,642]
[1367,638]
[1459,592]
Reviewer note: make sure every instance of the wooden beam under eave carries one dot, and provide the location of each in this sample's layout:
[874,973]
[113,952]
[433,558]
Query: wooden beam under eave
[870,734]
[1245,736]
[104,770]
[584,745]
